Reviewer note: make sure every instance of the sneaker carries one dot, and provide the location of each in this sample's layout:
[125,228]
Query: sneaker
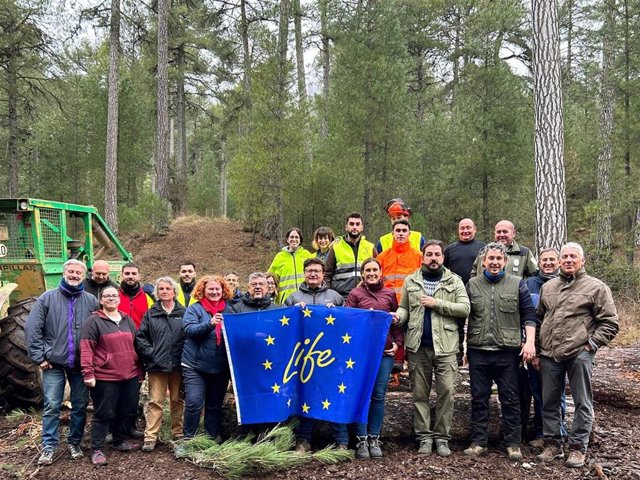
[576,458]
[303,445]
[550,453]
[98,458]
[474,450]
[135,434]
[149,446]
[374,446]
[514,453]
[442,448]
[127,446]
[76,452]
[46,457]
[362,448]
[426,446]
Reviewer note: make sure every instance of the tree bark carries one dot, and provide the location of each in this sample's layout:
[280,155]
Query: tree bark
[246,54]
[605,157]
[302,82]
[181,181]
[111,163]
[12,144]
[551,210]
[162,136]
[324,34]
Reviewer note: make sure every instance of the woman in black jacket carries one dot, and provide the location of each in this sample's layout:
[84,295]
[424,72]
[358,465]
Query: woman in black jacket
[159,342]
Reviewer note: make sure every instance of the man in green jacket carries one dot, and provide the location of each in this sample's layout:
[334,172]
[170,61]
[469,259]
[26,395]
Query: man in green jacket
[578,317]
[432,300]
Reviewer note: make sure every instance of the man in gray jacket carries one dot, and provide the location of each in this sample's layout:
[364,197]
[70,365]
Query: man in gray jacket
[53,342]
[577,317]
[313,291]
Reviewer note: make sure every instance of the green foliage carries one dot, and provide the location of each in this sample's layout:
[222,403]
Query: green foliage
[151,214]
[237,458]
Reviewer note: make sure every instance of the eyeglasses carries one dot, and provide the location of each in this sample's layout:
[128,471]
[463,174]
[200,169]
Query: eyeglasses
[261,284]
[313,270]
[110,296]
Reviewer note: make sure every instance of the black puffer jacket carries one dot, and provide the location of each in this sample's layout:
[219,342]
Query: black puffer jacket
[160,339]
[248,304]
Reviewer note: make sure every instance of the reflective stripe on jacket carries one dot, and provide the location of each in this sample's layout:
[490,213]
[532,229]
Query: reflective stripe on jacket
[289,267]
[397,262]
[347,272]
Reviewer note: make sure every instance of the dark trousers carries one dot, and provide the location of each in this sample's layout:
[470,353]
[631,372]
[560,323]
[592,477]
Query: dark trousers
[113,405]
[203,390]
[501,367]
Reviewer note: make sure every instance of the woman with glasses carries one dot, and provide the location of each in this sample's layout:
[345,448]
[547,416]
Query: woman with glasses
[111,369]
[272,286]
[288,264]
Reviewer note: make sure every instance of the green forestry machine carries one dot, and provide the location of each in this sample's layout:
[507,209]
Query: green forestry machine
[36,238]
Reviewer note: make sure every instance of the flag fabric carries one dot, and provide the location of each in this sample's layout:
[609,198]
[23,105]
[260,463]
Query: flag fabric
[315,362]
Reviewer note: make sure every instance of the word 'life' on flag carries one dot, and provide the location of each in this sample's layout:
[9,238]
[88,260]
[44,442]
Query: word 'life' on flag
[315,362]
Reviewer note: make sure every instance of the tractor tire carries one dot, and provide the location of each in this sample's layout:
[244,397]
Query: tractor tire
[20,378]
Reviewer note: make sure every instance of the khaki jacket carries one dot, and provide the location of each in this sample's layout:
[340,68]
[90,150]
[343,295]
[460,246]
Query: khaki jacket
[453,303]
[575,311]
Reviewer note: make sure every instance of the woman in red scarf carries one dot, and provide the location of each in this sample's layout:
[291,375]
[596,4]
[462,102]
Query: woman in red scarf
[205,369]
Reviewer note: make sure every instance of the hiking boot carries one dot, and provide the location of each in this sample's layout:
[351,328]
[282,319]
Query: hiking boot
[426,446]
[362,448]
[46,457]
[127,446]
[98,458]
[576,458]
[76,452]
[303,445]
[374,446]
[537,443]
[474,450]
[514,453]
[550,453]
[149,446]
[442,448]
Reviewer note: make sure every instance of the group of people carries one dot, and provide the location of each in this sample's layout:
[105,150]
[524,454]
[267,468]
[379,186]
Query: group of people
[526,325]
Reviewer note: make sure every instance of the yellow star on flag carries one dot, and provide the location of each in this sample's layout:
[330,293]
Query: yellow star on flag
[350,363]
[305,407]
[345,338]
[325,404]
[276,388]
[307,312]
[270,340]
[330,319]
[342,387]
[284,321]
[267,365]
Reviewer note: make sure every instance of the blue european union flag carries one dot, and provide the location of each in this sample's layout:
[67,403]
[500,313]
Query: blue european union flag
[315,362]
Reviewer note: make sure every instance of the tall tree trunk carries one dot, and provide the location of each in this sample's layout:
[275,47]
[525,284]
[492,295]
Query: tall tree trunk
[162,137]
[246,54]
[302,82]
[324,34]
[181,181]
[12,144]
[568,75]
[631,218]
[223,181]
[551,210]
[111,163]
[605,158]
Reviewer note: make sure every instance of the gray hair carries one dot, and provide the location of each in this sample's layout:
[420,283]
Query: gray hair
[573,245]
[255,275]
[73,261]
[494,246]
[549,249]
[168,280]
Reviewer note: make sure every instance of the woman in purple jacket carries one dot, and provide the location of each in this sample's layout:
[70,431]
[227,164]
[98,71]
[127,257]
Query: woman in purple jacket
[373,295]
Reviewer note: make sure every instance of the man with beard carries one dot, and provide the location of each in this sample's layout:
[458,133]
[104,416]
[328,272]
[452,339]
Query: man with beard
[187,282]
[346,254]
[98,279]
[500,309]
[256,298]
[520,261]
[53,342]
[432,299]
[133,301]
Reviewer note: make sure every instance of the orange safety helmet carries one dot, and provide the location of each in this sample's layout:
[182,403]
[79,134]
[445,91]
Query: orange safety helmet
[396,206]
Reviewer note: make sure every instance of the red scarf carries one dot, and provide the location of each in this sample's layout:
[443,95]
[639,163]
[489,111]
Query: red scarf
[213,308]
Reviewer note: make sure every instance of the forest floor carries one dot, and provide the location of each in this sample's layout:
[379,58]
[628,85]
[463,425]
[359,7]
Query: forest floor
[217,246]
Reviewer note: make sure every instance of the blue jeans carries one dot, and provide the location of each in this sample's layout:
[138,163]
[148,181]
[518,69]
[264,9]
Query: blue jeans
[53,380]
[304,430]
[376,409]
[203,390]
